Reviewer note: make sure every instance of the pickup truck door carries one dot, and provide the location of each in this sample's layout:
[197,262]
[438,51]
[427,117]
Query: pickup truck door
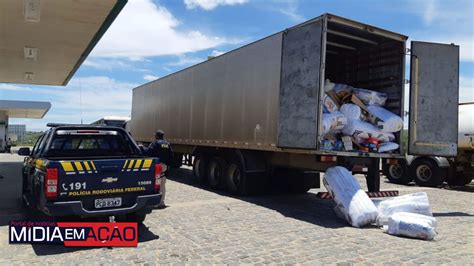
[434,94]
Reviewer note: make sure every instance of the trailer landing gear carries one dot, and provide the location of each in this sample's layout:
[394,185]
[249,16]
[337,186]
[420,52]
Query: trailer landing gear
[373,176]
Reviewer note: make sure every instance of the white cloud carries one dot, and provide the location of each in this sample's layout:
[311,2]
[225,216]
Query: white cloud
[288,8]
[466,89]
[150,77]
[144,29]
[291,11]
[445,22]
[106,64]
[186,61]
[217,53]
[10,87]
[211,4]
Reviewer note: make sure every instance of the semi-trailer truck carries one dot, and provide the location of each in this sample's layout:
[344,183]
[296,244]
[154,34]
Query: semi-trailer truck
[255,113]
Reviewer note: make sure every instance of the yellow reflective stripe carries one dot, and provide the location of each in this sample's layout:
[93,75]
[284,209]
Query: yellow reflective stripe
[125,165]
[93,165]
[146,163]
[78,166]
[67,166]
[87,166]
[137,165]
[131,164]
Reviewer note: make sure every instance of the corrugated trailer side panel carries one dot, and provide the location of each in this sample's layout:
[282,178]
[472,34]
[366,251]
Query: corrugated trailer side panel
[232,98]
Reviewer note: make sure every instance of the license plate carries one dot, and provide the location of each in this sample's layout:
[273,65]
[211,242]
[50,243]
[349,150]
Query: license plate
[107,203]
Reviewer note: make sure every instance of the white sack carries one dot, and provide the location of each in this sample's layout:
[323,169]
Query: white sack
[388,146]
[406,225]
[332,122]
[370,97]
[351,111]
[342,90]
[364,130]
[329,104]
[384,119]
[352,202]
[328,85]
[412,203]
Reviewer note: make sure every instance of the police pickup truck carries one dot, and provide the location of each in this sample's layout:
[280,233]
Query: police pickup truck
[90,171]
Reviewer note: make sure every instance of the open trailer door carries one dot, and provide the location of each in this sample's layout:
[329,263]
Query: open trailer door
[434,94]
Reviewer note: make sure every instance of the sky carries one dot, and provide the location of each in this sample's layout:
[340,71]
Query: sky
[151,39]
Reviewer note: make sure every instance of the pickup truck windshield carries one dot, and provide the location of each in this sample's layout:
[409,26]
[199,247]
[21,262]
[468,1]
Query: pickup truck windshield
[78,143]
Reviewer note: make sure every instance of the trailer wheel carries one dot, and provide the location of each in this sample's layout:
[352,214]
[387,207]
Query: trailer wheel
[397,173]
[426,173]
[200,167]
[216,172]
[236,178]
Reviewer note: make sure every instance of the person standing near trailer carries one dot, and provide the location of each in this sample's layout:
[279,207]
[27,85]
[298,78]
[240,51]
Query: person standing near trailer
[8,145]
[162,149]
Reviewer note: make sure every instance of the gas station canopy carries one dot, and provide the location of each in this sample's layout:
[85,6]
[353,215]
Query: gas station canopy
[45,41]
[24,109]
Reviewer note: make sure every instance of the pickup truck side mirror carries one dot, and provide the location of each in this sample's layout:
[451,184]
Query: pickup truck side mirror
[24,151]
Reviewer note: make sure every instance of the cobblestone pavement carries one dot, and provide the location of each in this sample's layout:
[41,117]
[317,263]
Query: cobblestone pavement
[202,226]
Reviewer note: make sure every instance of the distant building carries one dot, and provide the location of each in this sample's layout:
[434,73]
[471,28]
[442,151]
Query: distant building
[18,130]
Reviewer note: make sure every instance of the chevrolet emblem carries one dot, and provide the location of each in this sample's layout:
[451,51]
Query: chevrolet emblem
[109,179]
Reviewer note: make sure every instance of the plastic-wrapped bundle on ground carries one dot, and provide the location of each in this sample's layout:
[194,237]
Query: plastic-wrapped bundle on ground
[412,203]
[370,97]
[388,146]
[384,119]
[363,130]
[351,111]
[352,202]
[334,121]
[415,226]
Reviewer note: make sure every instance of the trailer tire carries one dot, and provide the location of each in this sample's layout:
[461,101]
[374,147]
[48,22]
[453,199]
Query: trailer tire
[216,172]
[235,178]
[397,173]
[426,173]
[200,167]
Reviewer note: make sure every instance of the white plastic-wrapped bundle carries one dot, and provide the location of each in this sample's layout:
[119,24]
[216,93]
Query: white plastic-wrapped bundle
[412,203]
[333,122]
[363,130]
[401,224]
[329,104]
[328,85]
[388,146]
[351,111]
[352,202]
[384,119]
[370,97]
